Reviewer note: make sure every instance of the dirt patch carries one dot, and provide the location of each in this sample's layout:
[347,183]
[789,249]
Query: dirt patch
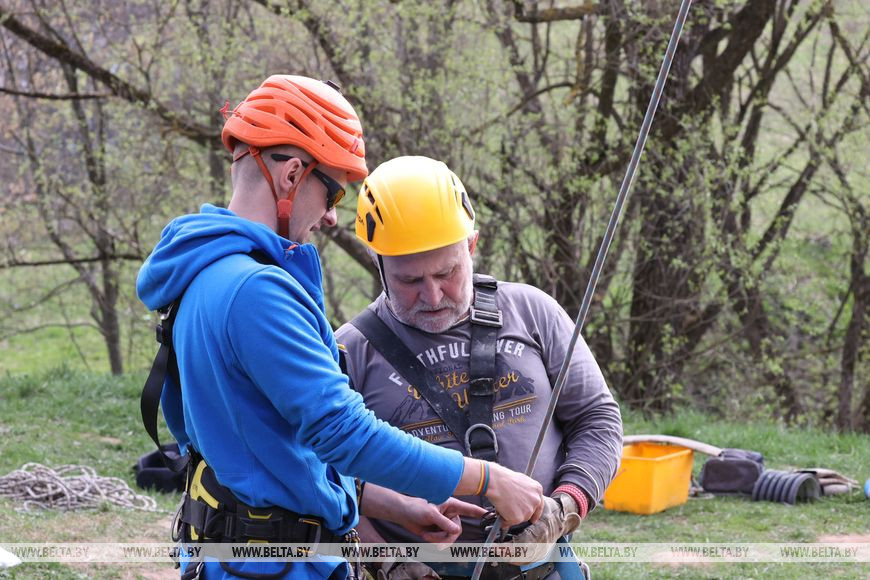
[128,571]
[844,539]
[674,560]
[168,574]
[155,531]
[101,438]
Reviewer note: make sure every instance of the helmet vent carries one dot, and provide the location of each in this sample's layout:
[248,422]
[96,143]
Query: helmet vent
[335,135]
[295,125]
[378,211]
[467,205]
[307,112]
[370,227]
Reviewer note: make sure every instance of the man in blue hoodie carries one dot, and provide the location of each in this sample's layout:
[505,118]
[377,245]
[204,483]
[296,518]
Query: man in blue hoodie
[262,400]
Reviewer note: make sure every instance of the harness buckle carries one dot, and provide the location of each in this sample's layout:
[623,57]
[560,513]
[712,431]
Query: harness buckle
[315,525]
[481,387]
[267,529]
[486,318]
[164,332]
[177,530]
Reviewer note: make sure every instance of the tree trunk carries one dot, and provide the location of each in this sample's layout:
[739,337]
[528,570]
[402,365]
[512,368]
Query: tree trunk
[664,293]
[110,326]
[854,331]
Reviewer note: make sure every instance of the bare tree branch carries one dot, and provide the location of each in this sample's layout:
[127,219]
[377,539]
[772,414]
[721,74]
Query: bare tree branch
[56,261]
[513,110]
[555,14]
[348,242]
[9,333]
[53,97]
[118,87]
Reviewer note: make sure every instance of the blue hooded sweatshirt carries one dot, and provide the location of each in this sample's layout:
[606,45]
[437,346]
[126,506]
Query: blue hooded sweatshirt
[265,402]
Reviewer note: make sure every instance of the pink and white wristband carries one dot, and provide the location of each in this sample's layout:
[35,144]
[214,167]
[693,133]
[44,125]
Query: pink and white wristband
[577,495]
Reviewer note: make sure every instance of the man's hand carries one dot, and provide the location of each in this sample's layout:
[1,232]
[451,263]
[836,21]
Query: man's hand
[559,518]
[437,524]
[516,497]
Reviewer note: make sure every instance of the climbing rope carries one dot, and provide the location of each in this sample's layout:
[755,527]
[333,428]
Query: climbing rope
[69,487]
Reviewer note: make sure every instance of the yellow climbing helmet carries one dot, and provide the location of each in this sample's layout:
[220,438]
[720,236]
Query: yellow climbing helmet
[412,204]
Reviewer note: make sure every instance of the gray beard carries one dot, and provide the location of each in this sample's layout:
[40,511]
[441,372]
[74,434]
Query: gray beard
[458,313]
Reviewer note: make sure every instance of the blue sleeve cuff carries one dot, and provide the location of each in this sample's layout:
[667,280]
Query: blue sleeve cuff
[439,474]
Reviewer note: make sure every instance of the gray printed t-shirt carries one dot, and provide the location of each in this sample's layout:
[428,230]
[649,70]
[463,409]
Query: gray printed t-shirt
[583,444]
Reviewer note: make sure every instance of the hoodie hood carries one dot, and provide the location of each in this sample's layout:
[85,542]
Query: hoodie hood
[192,242]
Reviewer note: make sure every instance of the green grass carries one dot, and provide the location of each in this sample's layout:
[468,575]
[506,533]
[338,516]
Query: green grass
[737,519]
[61,417]
[43,331]
[52,347]
[64,416]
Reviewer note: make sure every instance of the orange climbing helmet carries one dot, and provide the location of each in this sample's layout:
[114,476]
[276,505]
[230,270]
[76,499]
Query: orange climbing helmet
[306,113]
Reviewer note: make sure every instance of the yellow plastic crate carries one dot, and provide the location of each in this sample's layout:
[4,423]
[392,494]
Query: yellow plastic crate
[652,478]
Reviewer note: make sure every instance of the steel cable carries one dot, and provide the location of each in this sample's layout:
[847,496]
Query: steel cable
[624,189]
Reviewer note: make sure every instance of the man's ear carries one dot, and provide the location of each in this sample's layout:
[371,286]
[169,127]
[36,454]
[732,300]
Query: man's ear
[290,171]
[472,243]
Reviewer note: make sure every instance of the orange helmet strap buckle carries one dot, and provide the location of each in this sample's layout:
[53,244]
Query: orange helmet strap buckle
[285,208]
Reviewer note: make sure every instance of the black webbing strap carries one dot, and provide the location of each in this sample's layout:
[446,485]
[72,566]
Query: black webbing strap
[480,439]
[474,429]
[149,402]
[406,364]
[239,525]
[166,362]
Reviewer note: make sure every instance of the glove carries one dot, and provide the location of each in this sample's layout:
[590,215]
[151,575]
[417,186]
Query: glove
[406,571]
[558,519]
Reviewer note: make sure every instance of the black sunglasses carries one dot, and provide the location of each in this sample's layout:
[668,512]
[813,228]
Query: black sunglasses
[334,190]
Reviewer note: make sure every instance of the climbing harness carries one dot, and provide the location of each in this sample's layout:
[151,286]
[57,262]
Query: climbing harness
[602,250]
[474,428]
[210,512]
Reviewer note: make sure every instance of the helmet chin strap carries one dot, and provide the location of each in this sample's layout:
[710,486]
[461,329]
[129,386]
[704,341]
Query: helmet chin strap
[383,276]
[284,206]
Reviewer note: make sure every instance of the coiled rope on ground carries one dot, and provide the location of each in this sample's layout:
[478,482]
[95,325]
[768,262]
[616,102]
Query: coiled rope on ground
[69,487]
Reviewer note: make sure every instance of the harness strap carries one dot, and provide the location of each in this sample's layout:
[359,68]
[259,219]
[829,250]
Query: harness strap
[406,364]
[210,512]
[244,524]
[149,402]
[486,319]
[166,362]
[473,429]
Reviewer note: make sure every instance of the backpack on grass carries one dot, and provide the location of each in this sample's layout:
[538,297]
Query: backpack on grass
[731,472]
